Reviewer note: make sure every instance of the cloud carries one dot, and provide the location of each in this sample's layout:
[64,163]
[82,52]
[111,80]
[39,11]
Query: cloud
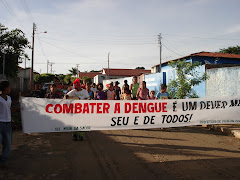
[233,29]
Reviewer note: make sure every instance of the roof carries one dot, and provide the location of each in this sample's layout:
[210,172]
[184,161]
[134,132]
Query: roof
[88,74]
[212,66]
[126,72]
[208,54]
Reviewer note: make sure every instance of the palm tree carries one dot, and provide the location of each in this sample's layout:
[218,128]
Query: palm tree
[73,71]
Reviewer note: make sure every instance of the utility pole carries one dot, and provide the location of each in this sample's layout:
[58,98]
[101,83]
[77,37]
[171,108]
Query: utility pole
[32,76]
[160,46]
[47,65]
[108,64]
[51,63]
[77,70]
[25,70]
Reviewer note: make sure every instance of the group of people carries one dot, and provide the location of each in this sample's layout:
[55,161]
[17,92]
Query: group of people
[89,91]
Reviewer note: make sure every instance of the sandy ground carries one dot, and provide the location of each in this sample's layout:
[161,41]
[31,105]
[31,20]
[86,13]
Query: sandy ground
[174,153]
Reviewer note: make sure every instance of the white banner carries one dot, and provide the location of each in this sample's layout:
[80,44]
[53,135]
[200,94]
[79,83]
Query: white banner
[58,115]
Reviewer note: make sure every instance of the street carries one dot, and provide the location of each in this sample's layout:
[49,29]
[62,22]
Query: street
[174,153]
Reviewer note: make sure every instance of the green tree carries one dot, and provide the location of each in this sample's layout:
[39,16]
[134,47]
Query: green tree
[47,77]
[140,68]
[88,79]
[231,50]
[61,77]
[67,78]
[73,71]
[12,45]
[187,77]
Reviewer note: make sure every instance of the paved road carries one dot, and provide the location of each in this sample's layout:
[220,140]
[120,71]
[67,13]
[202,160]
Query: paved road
[174,153]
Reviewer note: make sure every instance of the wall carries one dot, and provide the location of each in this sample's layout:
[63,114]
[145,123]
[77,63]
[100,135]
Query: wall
[223,82]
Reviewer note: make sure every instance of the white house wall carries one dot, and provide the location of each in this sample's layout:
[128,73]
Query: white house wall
[223,82]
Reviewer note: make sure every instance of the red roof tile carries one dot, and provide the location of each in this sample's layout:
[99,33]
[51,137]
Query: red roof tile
[126,72]
[88,74]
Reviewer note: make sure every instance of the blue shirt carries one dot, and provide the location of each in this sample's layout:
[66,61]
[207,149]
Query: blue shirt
[164,95]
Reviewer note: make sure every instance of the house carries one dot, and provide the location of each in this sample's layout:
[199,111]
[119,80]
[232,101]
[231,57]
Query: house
[205,58]
[24,78]
[108,74]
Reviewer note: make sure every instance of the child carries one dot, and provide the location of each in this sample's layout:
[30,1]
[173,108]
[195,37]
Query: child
[53,93]
[100,94]
[110,93]
[152,95]
[94,88]
[65,90]
[163,94]
[5,122]
[126,94]
[89,90]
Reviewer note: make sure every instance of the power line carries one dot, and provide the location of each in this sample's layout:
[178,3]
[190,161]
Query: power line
[172,50]
[196,37]
[13,14]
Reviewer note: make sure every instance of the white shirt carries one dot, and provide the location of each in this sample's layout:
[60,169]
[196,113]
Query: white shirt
[5,109]
[93,89]
[83,94]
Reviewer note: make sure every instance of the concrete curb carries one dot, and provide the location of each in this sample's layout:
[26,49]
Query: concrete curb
[226,129]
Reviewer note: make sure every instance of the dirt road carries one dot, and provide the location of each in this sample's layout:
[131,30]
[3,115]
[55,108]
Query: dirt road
[174,153]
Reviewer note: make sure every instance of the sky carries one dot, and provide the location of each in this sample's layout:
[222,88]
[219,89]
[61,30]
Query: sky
[84,31]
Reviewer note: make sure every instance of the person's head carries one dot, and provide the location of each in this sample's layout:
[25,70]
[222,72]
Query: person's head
[53,88]
[65,86]
[100,86]
[116,83]
[70,83]
[93,85]
[88,86]
[163,88]
[77,85]
[143,84]
[111,86]
[5,87]
[125,81]
[134,79]
[152,93]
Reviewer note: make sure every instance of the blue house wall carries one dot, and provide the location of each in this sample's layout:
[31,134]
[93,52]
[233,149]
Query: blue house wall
[168,73]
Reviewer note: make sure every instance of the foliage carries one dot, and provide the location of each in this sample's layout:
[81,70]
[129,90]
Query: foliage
[73,71]
[61,77]
[13,44]
[187,77]
[44,78]
[140,68]
[67,78]
[88,79]
[95,71]
[231,50]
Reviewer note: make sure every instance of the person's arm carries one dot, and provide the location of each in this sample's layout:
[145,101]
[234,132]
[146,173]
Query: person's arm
[95,95]
[137,96]
[148,94]
[131,87]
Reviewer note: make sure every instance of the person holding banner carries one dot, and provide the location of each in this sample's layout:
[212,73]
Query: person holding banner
[143,92]
[82,94]
[5,122]
[53,93]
